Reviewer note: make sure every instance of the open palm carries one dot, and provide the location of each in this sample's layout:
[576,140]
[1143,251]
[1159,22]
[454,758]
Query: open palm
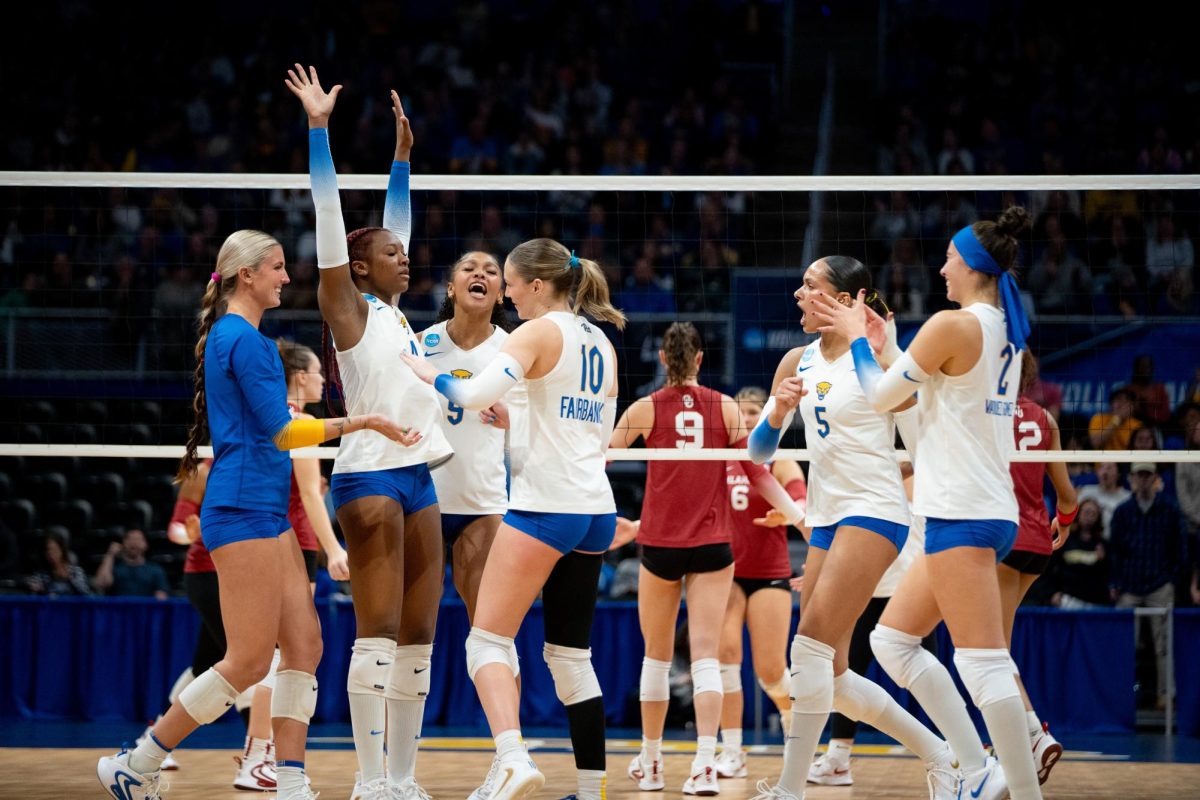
[318,103]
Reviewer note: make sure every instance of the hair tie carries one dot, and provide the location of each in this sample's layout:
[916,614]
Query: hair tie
[872,297]
[574,262]
[216,277]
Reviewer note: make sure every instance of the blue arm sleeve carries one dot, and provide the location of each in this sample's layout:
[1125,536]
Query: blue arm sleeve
[763,442]
[885,390]
[259,374]
[397,208]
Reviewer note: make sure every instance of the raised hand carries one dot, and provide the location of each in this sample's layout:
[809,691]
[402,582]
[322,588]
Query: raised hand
[787,397]
[404,134]
[877,328]
[848,321]
[318,103]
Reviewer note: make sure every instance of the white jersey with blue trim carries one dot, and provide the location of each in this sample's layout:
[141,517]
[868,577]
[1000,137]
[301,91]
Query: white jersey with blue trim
[475,481]
[376,381]
[966,438]
[557,436]
[852,470]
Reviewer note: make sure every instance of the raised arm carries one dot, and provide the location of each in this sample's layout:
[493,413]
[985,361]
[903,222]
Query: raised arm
[342,305]
[397,208]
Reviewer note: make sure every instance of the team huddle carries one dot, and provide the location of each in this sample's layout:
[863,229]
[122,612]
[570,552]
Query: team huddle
[485,450]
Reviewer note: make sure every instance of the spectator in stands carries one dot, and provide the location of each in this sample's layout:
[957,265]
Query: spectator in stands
[1187,485]
[125,572]
[1113,429]
[904,280]
[1059,280]
[1167,250]
[60,575]
[1078,570]
[896,220]
[1150,401]
[953,152]
[1108,494]
[644,292]
[475,152]
[1148,552]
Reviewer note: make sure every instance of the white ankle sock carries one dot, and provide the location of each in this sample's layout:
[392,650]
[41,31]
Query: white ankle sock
[706,752]
[290,777]
[591,784]
[839,752]
[148,755]
[255,749]
[651,750]
[1035,724]
[509,745]
[731,740]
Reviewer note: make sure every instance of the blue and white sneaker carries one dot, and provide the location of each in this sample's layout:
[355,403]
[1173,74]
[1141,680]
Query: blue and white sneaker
[986,783]
[123,783]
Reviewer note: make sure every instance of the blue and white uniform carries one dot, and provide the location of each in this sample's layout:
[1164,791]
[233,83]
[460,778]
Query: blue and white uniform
[853,477]
[964,488]
[475,482]
[376,381]
[247,492]
[557,440]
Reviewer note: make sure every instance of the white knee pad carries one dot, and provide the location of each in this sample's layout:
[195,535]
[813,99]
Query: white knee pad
[246,698]
[987,674]
[370,666]
[731,678]
[181,683]
[706,676]
[656,680]
[780,688]
[409,678]
[574,677]
[858,698]
[812,676]
[513,660]
[295,695]
[900,654]
[489,648]
[208,697]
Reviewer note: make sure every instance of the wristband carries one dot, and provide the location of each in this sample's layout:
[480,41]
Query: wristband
[1064,520]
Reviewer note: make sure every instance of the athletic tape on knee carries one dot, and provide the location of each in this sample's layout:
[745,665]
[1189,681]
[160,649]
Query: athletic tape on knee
[811,676]
[574,677]
[489,648]
[269,681]
[295,695]
[656,680]
[900,654]
[208,697]
[780,688]
[858,698]
[409,679]
[987,674]
[370,666]
[731,678]
[706,676]
[181,683]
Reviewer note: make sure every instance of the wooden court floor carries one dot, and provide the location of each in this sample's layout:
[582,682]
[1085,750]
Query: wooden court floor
[44,774]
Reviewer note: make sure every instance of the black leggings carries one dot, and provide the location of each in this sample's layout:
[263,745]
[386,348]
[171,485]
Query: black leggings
[860,657]
[568,608]
[204,596]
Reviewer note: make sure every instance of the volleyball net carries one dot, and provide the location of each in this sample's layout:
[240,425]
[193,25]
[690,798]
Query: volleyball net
[102,275]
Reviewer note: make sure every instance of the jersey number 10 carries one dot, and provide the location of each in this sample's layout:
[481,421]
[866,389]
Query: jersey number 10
[591,369]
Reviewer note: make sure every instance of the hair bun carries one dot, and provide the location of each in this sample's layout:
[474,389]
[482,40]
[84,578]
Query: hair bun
[1013,221]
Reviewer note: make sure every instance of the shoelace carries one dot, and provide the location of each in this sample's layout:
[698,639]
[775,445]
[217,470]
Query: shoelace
[931,781]
[768,792]
[485,790]
[409,789]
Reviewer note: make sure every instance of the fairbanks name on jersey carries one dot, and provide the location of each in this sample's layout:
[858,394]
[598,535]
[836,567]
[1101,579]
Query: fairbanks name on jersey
[557,440]
[475,480]
[376,381]
[853,469]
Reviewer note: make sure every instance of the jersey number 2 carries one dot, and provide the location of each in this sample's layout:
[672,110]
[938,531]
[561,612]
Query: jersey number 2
[1007,354]
[1029,434]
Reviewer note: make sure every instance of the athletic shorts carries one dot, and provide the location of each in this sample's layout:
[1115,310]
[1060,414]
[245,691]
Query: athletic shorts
[944,534]
[752,585]
[672,563]
[587,533]
[411,486]
[310,564]
[1026,562]
[220,526]
[454,524]
[894,532]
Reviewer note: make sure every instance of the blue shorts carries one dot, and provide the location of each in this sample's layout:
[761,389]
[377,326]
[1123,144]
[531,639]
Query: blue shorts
[589,533]
[454,524]
[894,532]
[944,534]
[411,486]
[220,525]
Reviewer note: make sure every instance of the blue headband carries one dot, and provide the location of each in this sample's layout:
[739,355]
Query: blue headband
[979,259]
[574,262]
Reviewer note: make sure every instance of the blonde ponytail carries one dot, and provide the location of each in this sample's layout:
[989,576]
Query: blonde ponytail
[579,279]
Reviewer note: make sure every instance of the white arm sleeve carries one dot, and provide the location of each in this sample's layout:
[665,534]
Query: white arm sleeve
[479,392]
[908,423]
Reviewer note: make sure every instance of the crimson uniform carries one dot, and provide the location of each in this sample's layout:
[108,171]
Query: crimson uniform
[760,555]
[298,517]
[1033,547]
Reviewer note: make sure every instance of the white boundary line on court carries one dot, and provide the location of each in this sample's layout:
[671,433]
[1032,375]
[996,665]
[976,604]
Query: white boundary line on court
[608,183]
[633,454]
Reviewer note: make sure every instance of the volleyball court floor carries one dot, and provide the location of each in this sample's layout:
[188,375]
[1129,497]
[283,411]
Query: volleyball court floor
[43,760]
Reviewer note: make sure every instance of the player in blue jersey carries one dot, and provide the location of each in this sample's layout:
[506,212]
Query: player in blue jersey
[241,398]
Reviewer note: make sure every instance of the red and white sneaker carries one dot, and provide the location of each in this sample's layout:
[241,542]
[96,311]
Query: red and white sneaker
[648,779]
[731,764]
[703,783]
[828,771]
[1046,753]
[255,773]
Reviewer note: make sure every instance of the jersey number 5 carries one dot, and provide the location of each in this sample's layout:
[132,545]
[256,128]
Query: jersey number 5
[689,425]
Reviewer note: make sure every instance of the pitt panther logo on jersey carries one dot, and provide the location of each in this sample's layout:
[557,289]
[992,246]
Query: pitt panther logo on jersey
[823,389]
[460,373]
